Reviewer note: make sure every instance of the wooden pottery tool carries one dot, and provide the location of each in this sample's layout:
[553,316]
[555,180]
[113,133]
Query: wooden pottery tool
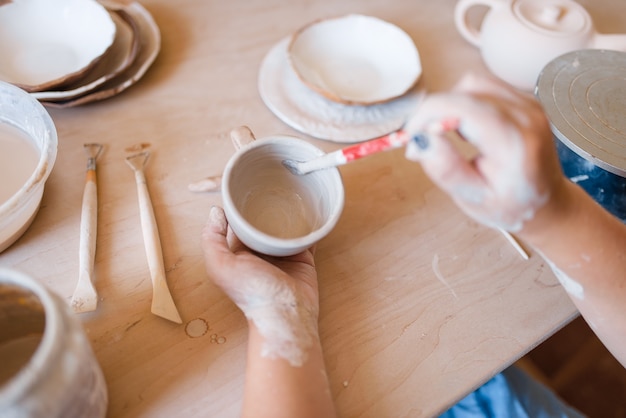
[85,297]
[515,243]
[363,149]
[162,302]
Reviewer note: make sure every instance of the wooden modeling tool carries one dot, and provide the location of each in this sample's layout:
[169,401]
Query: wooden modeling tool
[515,243]
[363,149]
[162,302]
[85,297]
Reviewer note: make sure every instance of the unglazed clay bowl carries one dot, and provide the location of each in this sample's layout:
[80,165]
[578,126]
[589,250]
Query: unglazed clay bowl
[355,59]
[46,43]
[273,211]
[28,150]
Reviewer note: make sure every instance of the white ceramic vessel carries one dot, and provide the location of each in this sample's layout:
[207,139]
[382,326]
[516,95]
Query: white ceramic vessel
[517,38]
[148,35]
[46,43]
[61,377]
[20,110]
[355,59]
[311,113]
[270,209]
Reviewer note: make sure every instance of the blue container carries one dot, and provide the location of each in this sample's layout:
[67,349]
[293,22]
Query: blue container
[606,188]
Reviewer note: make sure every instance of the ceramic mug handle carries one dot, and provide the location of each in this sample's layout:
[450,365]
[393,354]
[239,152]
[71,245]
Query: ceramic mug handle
[241,137]
[471,32]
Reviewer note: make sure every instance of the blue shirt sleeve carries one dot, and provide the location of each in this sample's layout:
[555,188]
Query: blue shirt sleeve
[512,393]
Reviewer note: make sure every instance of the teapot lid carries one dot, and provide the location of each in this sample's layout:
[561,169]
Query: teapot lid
[565,17]
[584,96]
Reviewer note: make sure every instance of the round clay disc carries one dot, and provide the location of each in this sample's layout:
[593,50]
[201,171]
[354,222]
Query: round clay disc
[584,96]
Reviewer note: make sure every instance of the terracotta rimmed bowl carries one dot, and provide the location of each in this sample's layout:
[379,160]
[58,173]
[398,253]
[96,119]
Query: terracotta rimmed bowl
[355,59]
[46,44]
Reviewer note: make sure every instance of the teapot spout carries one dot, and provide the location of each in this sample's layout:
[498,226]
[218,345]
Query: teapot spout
[615,42]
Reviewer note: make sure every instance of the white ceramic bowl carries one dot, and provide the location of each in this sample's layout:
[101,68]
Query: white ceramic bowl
[355,59]
[270,209]
[46,43]
[147,31]
[20,111]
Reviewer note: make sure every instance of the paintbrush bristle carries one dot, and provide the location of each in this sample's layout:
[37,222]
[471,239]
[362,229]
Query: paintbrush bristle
[292,166]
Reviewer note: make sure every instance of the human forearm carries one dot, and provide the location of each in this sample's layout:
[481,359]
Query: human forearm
[286,375]
[276,388]
[586,247]
[514,182]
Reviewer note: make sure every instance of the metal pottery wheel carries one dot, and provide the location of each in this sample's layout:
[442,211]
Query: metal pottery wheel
[584,96]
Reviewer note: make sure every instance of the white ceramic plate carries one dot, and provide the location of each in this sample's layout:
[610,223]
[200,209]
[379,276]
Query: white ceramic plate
[47,43]
[308,112]
[355,59]
[119,57]
[149,47]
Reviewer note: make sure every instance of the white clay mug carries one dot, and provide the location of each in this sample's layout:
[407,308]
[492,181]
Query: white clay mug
[518,38]
[271,210]
[47,366]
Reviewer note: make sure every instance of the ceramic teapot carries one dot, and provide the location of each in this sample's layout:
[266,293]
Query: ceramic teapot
[517,38]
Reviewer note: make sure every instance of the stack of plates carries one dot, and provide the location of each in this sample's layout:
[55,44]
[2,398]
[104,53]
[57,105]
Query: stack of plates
[71,52]
[344,79]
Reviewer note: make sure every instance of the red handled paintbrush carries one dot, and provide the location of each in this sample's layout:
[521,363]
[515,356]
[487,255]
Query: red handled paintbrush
[363,149]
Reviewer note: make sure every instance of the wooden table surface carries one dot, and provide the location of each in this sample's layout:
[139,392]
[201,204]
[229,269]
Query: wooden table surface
[419,304]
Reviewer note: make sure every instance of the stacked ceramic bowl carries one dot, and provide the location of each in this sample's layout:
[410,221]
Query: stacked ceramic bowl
[344,79]
[70,52]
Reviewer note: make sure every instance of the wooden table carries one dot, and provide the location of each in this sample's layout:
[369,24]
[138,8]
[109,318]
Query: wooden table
[419,304]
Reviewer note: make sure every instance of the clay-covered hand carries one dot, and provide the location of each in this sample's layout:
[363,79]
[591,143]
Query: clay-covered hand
[515,171]
[278,294]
